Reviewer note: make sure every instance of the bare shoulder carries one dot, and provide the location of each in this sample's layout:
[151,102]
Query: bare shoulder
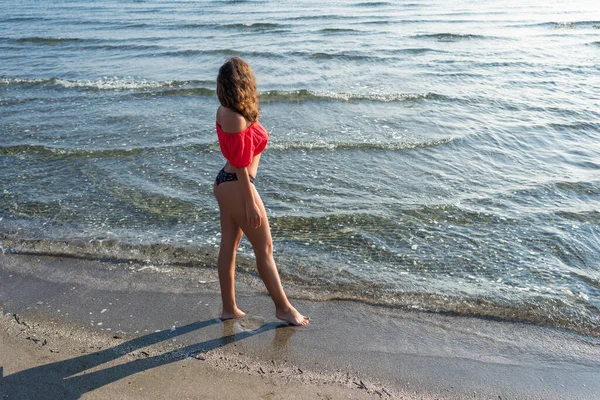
[230,121]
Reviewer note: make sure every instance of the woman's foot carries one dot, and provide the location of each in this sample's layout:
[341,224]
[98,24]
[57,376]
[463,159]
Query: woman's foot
[292,316]
[235,313]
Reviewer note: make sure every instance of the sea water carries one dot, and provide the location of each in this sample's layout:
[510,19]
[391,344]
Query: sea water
[435,155]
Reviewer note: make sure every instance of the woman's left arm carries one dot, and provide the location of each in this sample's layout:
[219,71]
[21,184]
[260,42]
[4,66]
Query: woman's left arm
[252,211]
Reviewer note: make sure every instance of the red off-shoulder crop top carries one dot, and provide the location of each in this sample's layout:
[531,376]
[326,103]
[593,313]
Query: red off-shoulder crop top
[240,148]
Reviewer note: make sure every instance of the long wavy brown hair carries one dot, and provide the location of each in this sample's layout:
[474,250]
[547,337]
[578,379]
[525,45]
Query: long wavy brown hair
[236,88]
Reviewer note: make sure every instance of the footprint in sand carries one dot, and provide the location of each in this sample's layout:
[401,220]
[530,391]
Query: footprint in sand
[248,323]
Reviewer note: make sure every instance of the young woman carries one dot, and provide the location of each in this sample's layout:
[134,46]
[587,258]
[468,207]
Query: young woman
[242,138]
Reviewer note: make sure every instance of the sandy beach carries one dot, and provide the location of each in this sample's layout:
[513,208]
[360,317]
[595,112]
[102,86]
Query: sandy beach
[75,328]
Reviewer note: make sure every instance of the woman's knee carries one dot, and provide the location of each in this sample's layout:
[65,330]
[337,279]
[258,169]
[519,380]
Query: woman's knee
[231,234]
[230,239]
[264,250]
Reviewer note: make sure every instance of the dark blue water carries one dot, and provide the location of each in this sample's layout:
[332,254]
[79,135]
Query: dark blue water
[437,155]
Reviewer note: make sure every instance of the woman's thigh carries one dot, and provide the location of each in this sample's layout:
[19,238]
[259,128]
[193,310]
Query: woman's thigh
[230,199]
[233,206]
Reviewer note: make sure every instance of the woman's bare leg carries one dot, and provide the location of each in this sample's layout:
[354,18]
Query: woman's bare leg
[230,200]
[263,250]
[230,240]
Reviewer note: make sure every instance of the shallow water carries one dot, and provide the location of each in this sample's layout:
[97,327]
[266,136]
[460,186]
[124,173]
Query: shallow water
[432,155]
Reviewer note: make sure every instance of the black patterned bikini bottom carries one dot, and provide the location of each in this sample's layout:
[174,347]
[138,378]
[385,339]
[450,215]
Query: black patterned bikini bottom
[223,176]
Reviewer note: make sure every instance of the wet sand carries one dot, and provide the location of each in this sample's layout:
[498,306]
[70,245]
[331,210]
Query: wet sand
[76,328]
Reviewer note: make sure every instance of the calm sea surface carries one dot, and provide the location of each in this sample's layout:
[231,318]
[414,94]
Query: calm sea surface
[436,155]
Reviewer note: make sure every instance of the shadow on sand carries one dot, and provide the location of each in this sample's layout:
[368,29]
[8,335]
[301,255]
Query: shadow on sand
[57,381]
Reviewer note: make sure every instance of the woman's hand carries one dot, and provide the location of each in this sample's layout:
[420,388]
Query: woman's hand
[253,215]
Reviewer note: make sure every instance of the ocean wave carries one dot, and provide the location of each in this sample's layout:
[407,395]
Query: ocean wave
[576,126]
[7,102]
[338,30]
[154,50]
[555,189]
[579,187]
[304,95]
[567,24]
[104,83]
[198,88]
[372,4]
[539,311]
[219,52]
[151,10]
[592,216]
[343,56]
[189,53]
[416,50]
[130,25]
[347,56]
[535,309]
[254,26]
[496,64]
[374,22]
[333,146]
[45,40]
[24,149]
[22,19]
[109,83]
[180,92]
[451,37]
[194,26]
[74,152]
[320,16]
[120,47]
